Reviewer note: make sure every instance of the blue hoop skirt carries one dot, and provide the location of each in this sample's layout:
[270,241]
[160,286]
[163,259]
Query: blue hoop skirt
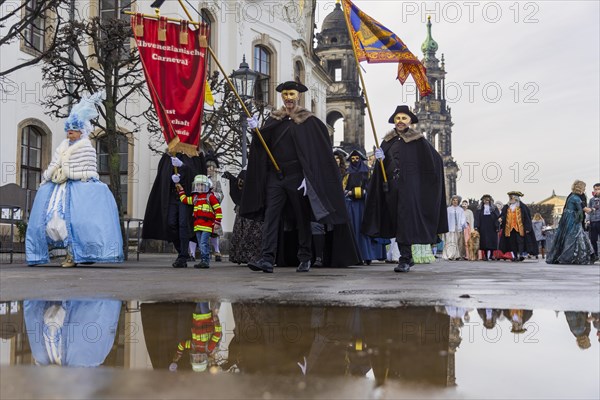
[92,220]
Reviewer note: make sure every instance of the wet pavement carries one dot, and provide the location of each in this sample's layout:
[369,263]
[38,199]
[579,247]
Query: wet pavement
[264,351]
[444,330]
[531,284]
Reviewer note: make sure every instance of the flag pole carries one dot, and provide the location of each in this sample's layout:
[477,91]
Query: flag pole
[364,87]
[258,134]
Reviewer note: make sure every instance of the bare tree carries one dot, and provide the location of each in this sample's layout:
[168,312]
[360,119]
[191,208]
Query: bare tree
[20,19]
[91,55]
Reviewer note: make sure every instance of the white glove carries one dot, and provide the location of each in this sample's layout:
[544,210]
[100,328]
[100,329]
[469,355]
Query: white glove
[252,122]
[176,162]
[173,367]
[303,186]
[379,154]
[175,178]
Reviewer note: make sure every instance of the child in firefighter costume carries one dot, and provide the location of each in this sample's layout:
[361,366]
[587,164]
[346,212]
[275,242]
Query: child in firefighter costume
[73,209]
[206,336]
[207,214]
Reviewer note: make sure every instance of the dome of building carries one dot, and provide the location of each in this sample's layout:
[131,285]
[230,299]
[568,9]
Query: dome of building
[335,20]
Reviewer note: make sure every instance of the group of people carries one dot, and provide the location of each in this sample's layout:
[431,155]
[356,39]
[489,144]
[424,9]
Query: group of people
[296,188]
[298,203]
[496,231]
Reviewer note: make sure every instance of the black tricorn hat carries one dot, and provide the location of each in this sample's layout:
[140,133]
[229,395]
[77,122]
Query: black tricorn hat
[486,195]
[211,156]
[515,193]
[338,151]
[404,110]
[356,153]
[291,85]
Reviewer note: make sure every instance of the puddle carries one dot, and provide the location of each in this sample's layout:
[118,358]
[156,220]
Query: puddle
[485,353]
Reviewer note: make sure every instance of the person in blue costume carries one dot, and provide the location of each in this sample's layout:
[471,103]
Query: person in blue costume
[73,209]
[355,184]
[571,244]
[74,333]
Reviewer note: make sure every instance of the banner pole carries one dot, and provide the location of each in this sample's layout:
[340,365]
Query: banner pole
[258,134]
[364,87]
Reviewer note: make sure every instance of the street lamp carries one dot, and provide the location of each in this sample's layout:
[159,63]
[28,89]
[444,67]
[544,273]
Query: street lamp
[244,80]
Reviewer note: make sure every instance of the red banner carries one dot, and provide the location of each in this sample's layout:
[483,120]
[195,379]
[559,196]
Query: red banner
[174,59]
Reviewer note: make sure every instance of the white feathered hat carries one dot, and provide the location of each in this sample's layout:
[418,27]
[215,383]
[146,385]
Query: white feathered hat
[83,112]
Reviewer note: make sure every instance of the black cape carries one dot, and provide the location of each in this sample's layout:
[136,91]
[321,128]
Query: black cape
[155,219]
[531,246]
[414,208]
[323,181]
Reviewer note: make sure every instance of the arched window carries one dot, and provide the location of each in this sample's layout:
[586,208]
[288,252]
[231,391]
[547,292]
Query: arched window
[103,160]
[262,65]
[31,157]
[300,76]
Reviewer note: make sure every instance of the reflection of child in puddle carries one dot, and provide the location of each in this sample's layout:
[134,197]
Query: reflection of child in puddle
[206,336]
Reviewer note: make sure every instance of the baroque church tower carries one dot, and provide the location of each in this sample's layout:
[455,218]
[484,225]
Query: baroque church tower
[344,98]
[435,118]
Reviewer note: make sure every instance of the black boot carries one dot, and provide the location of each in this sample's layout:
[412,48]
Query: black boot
[304,266]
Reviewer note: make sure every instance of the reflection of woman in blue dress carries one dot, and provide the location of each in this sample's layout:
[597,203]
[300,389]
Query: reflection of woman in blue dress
[78,333]
[72,208]
[571,245]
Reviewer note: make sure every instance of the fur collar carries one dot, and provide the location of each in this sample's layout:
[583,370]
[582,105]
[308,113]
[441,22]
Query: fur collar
[408,136]
[298,116]
[67,150]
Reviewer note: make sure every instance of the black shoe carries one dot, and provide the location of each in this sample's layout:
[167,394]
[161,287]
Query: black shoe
[318,262]
[202,265]
[218,257]
[303,267]
[261,265]
[180,263]
[402,267]
[368,262]
[521,258]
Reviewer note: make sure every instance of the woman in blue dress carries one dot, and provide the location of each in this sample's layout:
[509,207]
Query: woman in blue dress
[571,244]
[73,209]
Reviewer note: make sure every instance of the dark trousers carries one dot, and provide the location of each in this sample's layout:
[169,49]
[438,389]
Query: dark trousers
[594,234]
[178,221]
[280,191]
[405,253]
[516,243]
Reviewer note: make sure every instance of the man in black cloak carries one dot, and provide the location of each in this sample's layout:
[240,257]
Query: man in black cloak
[413,207]
[309,184]
[167,218]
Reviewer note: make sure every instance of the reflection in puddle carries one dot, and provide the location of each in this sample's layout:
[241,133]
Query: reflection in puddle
[533,353]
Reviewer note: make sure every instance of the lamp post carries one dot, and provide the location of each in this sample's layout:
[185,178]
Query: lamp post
[244,80]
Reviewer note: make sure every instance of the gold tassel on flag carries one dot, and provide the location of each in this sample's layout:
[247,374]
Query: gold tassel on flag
[138,22]
[162,29]
[183,32]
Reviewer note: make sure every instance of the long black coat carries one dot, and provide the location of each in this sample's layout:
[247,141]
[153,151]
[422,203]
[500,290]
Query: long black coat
[487,225]
[163,190]
[414,208]
[531,245]
[323,181]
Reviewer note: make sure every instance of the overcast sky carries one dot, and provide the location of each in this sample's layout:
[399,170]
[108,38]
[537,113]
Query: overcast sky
[522,82]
